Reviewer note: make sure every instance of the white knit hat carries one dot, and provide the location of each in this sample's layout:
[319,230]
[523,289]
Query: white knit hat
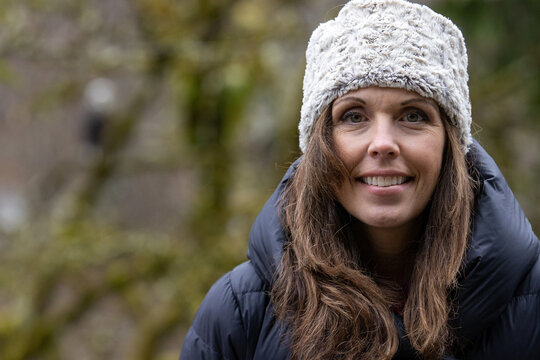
[387,43]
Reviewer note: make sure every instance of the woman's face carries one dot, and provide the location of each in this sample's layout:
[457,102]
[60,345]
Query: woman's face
[392,143]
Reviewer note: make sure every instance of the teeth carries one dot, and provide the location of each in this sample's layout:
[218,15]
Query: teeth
[384,181]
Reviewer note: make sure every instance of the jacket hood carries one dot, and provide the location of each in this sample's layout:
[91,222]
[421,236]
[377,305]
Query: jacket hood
[502,249]
[267,236]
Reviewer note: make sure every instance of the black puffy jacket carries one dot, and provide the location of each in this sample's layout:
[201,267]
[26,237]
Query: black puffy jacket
[498,300]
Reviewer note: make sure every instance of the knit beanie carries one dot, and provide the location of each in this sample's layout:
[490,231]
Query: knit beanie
[387,43]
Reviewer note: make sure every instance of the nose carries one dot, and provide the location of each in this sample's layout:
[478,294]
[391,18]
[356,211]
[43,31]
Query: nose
[383,140]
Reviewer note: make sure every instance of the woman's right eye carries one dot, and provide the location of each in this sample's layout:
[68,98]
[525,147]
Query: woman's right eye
[353,117]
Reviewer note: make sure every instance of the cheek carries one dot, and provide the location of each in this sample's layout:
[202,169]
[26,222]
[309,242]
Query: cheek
[348,148]
[431,161]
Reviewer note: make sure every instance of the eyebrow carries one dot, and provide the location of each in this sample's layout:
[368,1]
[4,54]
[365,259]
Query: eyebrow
[422,100]
[354,98]
[406,102]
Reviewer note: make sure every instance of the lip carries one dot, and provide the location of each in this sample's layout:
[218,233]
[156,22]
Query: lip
[383,173]
[384,191]
[389,190]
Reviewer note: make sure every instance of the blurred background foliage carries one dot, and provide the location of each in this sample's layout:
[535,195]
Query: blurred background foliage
[140,139]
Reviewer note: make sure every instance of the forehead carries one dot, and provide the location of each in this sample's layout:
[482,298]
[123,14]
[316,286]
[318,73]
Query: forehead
[383,94]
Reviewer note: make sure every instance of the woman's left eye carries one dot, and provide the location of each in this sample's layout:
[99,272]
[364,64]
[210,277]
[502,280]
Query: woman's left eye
[415,116]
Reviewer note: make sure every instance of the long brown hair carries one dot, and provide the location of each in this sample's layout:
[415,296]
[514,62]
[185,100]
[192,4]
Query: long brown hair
[333,307]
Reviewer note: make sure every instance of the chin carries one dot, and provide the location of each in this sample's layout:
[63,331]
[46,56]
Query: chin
[388,220]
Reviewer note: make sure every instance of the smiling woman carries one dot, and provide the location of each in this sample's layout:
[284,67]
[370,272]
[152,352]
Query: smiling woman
[394,236]
[400,246]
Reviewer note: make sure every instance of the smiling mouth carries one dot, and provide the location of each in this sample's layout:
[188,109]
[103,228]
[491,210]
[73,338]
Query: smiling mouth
[384,181]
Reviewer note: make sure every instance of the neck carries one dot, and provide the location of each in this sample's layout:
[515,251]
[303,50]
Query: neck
[390,252]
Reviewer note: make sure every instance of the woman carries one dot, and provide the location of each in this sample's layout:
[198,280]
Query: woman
[394,236]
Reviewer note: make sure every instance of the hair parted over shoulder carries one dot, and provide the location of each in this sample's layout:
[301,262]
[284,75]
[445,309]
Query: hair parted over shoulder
[333,306]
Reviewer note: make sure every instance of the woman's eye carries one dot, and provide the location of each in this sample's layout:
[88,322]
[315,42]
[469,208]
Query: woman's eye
[416,116]
[353,117]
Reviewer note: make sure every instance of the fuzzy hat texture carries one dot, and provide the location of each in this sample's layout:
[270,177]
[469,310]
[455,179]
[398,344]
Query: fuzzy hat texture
[387,43]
